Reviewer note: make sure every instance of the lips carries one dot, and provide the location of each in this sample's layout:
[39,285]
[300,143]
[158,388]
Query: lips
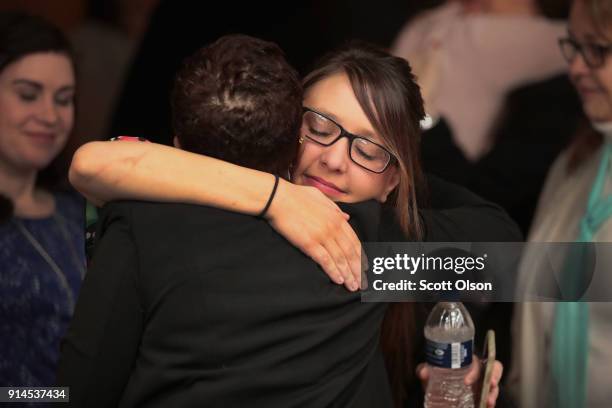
[45,138]
[324,186]
[585,86]
[588,90]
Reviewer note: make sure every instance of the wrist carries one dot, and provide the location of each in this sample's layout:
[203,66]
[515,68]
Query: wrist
[263,212]
[279,198]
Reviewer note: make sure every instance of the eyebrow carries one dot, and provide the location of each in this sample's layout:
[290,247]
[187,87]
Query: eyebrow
[39,86]
[590,38]
[368,134]
[33,84]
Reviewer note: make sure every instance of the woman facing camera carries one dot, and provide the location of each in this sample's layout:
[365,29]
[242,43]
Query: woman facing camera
[358,141]
[42,258]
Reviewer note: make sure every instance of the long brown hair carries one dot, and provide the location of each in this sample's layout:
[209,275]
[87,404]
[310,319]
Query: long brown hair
[385,87]
[388,94]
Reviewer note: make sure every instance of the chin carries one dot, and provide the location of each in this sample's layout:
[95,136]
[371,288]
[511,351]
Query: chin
[598,112]
[599,117]
[38,161]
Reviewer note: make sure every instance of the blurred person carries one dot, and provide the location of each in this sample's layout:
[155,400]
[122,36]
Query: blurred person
[562,350]
[469,54]
[536,121]
[497,89]
[41,237]
[104,44]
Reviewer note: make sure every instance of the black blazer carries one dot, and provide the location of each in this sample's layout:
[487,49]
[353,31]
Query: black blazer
[189,306]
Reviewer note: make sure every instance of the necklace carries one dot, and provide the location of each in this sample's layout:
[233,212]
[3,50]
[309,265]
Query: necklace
[61,276]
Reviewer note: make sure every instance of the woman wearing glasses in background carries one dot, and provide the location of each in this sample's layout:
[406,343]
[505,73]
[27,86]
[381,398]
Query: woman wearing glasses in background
[562,351]
[359,141]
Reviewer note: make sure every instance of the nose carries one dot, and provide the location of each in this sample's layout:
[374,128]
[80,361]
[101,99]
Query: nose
[577,65]
[47,112]
[336,156]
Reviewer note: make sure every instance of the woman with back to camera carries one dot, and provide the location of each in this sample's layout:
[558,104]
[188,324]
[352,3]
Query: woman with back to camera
[359,105]
[563,353]
[42,258]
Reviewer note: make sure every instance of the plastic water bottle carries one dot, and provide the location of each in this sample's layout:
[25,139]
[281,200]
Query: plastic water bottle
[449,333]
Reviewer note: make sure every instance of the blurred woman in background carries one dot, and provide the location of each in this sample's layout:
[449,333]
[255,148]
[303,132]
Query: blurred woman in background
[469,54]
[42,258]
[562,350]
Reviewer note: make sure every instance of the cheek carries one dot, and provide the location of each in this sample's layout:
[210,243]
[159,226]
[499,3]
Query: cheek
[364,185]
[599,106]
[67,120]
[11,121]
[12,143]
[13,113]
[604,77]
[371,185]
[64,127]
[307,156]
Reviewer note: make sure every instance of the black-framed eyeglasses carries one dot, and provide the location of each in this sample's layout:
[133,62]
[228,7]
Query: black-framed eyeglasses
[325,131]
[594,55]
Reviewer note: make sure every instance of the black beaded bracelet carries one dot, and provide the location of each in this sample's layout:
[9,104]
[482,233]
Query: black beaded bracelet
[265,210]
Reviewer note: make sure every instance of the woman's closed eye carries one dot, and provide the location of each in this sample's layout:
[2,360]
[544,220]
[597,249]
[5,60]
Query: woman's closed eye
[27,95]
[64,99]
[27,91]
[368,150]
[367,156]
[318,132]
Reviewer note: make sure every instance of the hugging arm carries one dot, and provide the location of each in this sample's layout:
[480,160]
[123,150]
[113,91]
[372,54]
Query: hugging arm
[101,345]
[105,171]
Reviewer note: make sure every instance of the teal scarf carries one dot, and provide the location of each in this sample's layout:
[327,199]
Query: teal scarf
[570,343]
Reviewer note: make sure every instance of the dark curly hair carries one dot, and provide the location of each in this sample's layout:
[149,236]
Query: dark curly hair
[239,100]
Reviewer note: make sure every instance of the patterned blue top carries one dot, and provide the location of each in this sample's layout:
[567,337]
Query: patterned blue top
[36,304]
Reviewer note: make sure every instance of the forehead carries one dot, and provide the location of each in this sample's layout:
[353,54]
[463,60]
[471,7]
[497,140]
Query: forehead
[334,97]
[47,68]
[582,26]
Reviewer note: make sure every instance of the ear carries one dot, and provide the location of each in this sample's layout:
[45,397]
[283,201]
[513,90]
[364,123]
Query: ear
[391,181]
[176,143]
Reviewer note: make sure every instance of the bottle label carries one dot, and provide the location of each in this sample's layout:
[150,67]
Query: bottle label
[449,355]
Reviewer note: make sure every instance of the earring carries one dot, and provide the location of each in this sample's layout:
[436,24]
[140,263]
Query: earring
[301,140]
